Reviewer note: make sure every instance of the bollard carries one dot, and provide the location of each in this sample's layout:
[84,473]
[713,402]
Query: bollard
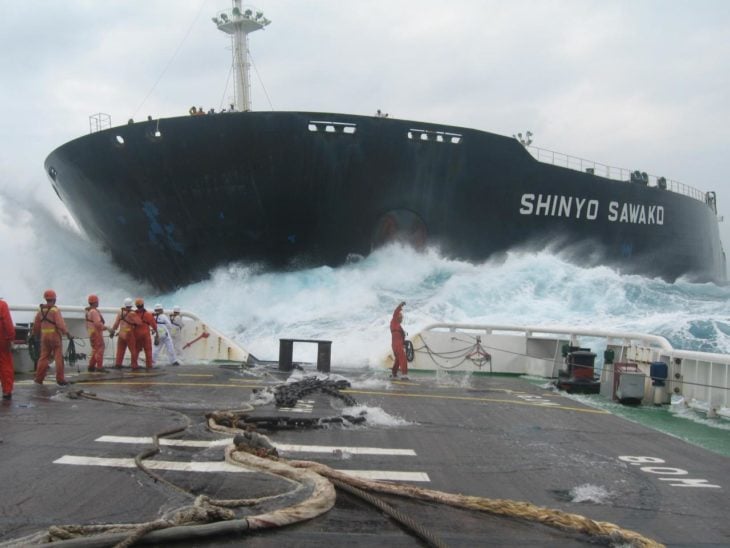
[286,351]
[324,352]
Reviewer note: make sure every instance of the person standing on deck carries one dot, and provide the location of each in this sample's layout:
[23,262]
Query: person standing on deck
[176,331]
[164,336]
[50,326]
[398,341]
[95,328]
[7,336]
[142,335]
[125,322]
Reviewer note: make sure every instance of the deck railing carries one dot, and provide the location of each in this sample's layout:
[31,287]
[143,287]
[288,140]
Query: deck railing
[615,173]
[700,376]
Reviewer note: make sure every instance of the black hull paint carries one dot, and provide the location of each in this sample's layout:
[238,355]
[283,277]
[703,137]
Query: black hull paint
[266,187]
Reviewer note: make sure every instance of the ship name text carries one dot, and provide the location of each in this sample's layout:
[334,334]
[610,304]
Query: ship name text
[556,205]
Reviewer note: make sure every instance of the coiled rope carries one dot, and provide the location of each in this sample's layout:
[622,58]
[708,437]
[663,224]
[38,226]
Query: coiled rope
[205,517]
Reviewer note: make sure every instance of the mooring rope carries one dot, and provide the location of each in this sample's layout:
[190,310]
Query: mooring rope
[315,482]
[502,507]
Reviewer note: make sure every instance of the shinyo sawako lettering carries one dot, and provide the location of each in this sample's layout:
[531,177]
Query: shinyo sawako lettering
[575,207]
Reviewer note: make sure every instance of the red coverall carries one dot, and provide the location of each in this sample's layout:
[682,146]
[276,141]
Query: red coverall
[95,328]
[143,338]
[398,342]
[49,324]
[7,336]
[126,320]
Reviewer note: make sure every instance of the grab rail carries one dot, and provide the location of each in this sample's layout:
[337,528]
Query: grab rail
[614,173]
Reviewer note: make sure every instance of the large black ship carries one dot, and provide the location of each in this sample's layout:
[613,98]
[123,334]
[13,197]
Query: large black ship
[295,189]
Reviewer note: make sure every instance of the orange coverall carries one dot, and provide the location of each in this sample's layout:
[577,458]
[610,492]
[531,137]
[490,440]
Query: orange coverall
[398,340]
[49,325]
[95,328]
[143,338]
[126,320]
[7,336]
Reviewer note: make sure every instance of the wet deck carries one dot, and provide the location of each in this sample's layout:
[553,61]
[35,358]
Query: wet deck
[71,460]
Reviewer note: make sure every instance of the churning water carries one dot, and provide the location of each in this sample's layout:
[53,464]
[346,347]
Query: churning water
[351,305]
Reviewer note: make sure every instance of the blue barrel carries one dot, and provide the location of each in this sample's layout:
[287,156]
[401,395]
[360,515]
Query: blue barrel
[659,371]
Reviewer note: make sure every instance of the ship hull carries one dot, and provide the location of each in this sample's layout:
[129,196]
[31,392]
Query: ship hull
[173,199]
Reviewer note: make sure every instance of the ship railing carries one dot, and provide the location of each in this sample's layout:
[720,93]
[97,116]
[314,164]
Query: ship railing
[614,173]
[701,378]
[199,342]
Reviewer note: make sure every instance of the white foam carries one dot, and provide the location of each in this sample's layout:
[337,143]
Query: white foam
[352,305]
[590,493]
[375,416]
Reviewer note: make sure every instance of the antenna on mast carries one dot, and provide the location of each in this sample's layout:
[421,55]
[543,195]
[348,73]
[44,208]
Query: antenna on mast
[239,22]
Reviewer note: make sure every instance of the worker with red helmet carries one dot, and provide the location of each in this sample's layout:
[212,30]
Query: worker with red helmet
[50,327]
[7,336]
[95,327]
[126,320]
[143,333]
[398,341]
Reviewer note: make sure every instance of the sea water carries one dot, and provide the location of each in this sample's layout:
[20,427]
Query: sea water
[351,305]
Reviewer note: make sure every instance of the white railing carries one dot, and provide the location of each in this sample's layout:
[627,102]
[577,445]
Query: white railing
[614,173]
[700,376]
[199,342]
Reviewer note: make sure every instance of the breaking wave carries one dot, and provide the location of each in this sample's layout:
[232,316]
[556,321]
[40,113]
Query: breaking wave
[351,305]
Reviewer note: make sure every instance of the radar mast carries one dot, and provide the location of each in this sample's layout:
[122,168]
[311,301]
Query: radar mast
[239,22]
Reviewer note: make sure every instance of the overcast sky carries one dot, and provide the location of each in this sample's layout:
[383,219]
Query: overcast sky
[637,84]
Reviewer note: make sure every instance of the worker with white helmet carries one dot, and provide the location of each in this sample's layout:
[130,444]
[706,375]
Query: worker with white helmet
[176,322]
[164,337]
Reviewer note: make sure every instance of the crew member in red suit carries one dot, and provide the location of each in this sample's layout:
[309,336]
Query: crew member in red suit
[126,320]
[143,333]
[398,343]
[7,336]
[95,327]
[49,326]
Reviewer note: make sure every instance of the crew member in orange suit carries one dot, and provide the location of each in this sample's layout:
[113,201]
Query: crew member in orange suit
[398,342]
[125,322]
[95,327]
[7,336]
[143,333]
[49,326]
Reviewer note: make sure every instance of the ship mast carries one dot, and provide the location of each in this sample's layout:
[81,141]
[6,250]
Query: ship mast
[239,22]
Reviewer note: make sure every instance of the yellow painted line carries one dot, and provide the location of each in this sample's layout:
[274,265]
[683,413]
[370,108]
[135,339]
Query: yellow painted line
[474,399]
[153,383]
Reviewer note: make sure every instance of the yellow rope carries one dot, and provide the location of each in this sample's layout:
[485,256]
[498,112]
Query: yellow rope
[503,507]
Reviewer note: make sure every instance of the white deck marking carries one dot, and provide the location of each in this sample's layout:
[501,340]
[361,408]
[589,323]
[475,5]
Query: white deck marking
[293,448]
[224,467]
[151,464]
[302,406]
[386,475]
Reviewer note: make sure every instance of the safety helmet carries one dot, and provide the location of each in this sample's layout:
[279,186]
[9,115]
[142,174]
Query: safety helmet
[49,295]
[93,299]
[127,303]
[139,301]
[158,307]
[176,308]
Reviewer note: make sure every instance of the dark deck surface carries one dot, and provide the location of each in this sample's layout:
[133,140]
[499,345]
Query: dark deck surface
[501,438]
